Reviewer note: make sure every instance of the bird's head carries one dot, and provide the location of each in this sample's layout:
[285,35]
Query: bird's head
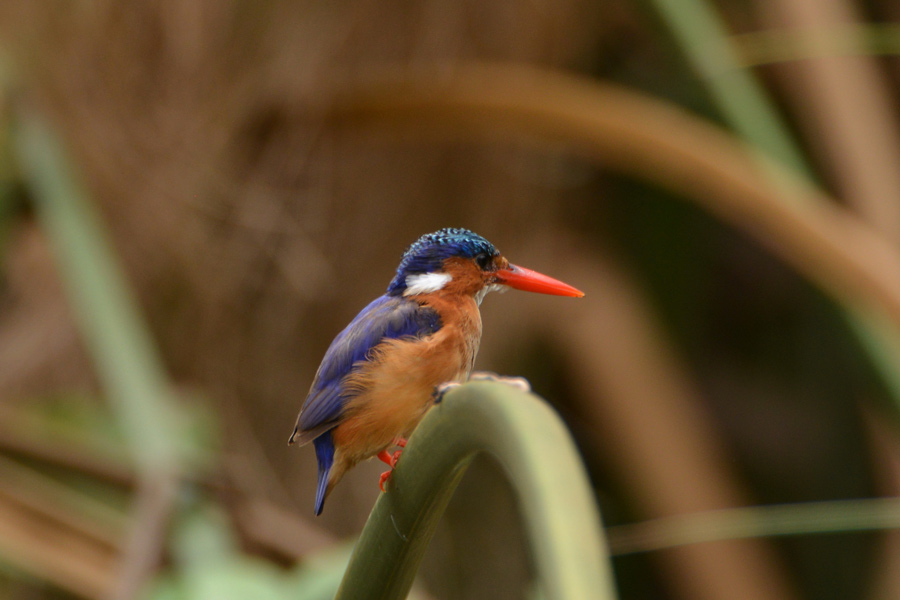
[461,261]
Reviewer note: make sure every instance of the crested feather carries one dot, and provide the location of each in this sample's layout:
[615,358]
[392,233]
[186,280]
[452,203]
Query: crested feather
[428,253]
[387,317]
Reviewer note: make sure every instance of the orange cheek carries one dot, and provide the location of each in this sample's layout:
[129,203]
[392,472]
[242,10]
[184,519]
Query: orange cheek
[467,277]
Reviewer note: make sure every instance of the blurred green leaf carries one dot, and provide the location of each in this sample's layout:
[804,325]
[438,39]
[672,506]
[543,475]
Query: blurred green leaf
[748,108]
[203,537]
[837,516]
[319,577]
[8,180]
[210,565]
[119,342]
[847,39]
[704,38]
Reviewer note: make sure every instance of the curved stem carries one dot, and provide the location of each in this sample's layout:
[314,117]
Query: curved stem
[663,144]
[531,443]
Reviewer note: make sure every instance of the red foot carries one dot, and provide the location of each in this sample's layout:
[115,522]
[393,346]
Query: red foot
[390,460]
[383,479]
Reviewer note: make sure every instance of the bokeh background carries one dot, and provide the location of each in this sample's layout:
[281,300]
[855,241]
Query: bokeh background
[719,360]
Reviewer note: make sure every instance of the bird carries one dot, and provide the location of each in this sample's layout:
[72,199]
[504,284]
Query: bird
[397,357]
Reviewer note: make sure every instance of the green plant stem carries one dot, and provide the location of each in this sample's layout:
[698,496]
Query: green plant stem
[757,48]
[746,106]
[839,516]
[529,440]
[119,343]
[698,28]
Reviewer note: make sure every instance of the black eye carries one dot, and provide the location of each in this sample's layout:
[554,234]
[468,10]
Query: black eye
[484,261]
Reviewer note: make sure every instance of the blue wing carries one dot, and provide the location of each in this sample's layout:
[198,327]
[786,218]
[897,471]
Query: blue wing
[387,317]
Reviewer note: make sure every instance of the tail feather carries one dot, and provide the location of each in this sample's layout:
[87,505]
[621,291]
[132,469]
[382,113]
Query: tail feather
[325,457]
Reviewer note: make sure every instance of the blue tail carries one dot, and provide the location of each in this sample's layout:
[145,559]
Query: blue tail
[325,456]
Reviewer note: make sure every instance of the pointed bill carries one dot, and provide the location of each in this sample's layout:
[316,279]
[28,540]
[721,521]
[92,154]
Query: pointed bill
[527,280]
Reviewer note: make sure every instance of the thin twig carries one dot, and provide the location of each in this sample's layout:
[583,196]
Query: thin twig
[50,548]
[836,516]
[64,454]
[153,509]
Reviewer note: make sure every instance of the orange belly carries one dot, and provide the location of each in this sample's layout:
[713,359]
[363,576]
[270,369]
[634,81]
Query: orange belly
[394,389]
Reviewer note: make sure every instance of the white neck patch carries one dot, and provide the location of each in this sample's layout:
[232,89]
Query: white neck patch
[425,283]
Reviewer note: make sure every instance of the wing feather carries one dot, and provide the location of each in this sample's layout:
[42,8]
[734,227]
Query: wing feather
[387,317]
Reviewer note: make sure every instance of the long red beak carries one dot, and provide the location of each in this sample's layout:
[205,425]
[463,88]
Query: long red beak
[521,278]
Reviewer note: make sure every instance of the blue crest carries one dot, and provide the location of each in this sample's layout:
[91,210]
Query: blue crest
[429,252]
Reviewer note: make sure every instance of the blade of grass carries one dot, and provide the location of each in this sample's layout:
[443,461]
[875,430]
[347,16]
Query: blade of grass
[117,339]
[757,48]
[60,502]
[22,441]
[840,516]
[119,343]
[703,37]
[531,443]
[746,106]
[7,174]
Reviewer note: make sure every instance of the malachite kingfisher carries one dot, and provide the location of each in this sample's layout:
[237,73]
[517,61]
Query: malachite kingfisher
[396,358]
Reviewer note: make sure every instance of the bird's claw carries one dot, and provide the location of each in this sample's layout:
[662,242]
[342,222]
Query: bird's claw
[519,383]
[391,462]
[390,459]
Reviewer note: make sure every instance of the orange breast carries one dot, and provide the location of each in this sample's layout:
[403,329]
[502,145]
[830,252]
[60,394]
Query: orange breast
[394,389]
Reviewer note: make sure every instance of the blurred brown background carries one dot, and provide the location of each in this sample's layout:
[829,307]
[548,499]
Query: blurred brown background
[700,371]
